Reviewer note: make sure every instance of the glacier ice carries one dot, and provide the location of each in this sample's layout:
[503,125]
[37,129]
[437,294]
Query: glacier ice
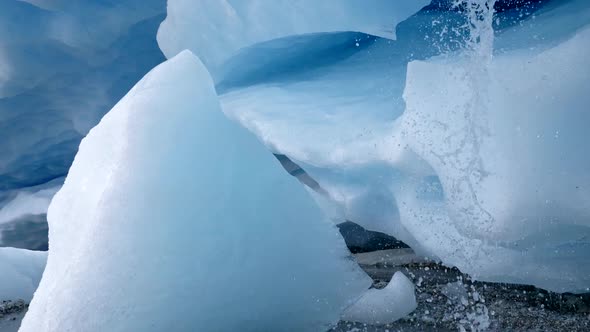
[216,29]
[27,203]
[23,222]
[481,166]
[372,127]
[384,306]
[500,204]
[20,272]
[174,217]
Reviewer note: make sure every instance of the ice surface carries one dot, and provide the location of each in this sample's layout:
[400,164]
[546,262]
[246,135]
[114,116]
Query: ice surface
[516,191]
[384,306]
[63,65]
[173,217]
[27,203]
[398,165]
[483,167]
[23,222]
[20,272]
[214,30]
[333,118]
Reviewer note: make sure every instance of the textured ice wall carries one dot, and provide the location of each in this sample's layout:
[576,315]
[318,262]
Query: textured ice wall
[62,67]
[216,29]
[21,272]
[63,64]
[173,217]
[520,197]
[397,164]
[23,221]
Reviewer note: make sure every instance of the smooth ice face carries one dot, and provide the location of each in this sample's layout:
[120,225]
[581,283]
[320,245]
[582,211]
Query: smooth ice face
[172,217]
[21,272]
[216,29]
[27,203]
[23,221]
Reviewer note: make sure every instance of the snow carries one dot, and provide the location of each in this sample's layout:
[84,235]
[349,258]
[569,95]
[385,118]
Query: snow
[215,30]
[171,205]
[21,271]
[384,306]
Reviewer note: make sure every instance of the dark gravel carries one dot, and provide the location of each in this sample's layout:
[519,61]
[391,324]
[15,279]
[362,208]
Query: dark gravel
[450,301]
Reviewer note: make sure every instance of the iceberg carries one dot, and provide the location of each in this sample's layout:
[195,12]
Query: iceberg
[216,29]
[173,217]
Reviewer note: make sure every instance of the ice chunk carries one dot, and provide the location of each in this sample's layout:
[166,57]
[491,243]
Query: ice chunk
[384,306]
[20,272]
[214,30]
[23,220]
[173,217]
[334,118]
[400,166]
[456,292]
[516,193]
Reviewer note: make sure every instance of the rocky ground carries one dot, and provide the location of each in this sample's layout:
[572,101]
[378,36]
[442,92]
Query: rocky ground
[11,314]
[447,301]
[450,301]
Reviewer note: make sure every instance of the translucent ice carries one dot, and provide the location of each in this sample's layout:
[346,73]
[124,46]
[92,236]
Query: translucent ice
[172,217]
[20,272]
[476,159]
[63,65]
[216,29]
[384,306]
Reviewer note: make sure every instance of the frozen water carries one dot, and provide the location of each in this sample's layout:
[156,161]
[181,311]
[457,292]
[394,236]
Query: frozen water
[172,217]
[384,306]
[63,65]
[466,143]
[23,221]
[215,30]
[507,187]
[27,203]
[486,132]
[20,272]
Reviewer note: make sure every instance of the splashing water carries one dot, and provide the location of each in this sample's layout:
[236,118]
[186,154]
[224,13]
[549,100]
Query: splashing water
[478,51]
[480,14]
